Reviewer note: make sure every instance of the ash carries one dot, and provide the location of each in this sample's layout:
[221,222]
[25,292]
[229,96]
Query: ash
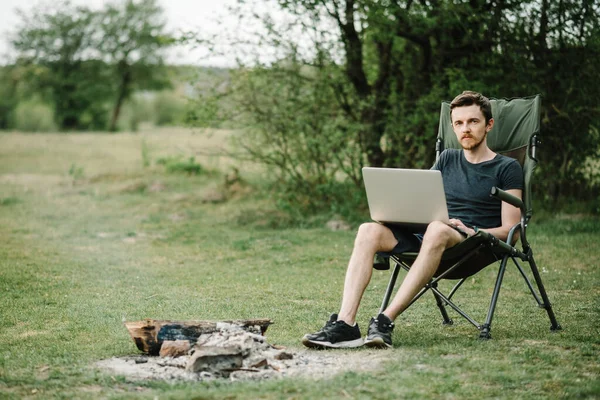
[237,355]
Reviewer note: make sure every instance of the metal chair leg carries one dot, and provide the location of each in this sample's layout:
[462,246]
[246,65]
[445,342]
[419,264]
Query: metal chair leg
[487,326]
[441,306]
[554,325]
[390,288]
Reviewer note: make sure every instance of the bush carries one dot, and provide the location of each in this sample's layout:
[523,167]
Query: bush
[322,202]
[179,164]
[33,116]
[169,109]
[136,110]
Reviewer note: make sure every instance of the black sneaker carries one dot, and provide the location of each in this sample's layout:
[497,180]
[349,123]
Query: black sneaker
[336,334]
[380,331]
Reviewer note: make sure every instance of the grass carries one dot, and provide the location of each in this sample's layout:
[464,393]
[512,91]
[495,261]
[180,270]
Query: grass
[93,232]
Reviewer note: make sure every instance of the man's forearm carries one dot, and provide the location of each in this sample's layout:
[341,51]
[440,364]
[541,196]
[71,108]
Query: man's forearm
[500,232]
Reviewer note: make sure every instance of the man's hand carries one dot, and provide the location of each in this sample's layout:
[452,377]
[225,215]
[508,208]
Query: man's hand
[459,226]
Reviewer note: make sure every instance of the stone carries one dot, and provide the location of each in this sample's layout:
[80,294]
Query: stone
[156,187]
[174,348]
[284,355]
[213,196]
[221,360]
[338,225]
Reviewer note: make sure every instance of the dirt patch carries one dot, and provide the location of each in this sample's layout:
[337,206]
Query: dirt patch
[228,350]
[36,180]
[314,364]
[572,217]
[28,334]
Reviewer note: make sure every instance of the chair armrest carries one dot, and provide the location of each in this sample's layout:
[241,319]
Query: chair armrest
[507,197]
[511,239]
[515,201]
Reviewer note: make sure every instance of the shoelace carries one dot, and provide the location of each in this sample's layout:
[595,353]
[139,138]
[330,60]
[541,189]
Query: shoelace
[328,326]
[326,331]
[383,324]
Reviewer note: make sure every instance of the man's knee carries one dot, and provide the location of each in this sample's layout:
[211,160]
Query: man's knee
[370,233]
[437,232]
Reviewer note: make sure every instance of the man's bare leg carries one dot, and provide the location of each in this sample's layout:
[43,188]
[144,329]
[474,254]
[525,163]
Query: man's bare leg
[437,238]
[371,238]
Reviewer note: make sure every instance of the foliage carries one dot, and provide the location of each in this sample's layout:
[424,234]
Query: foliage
[590,169]
[132,37]
[76,172]
[291,123]
[83,61]
[169,109]
[145,150]
[208,102]
[377,71]
[33,116]
[556,48]
[320,203]
[8,94]
[57,41]
[9,201]
[136,110]
[294,125]
[178,164]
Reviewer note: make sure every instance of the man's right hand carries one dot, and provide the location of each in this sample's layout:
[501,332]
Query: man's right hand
[464,230]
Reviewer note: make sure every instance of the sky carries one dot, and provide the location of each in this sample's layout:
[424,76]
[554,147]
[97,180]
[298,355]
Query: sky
[208,16]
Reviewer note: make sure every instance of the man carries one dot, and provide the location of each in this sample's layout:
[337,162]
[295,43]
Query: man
[468,176]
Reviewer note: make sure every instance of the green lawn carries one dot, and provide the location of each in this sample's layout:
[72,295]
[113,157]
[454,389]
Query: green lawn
[90,237]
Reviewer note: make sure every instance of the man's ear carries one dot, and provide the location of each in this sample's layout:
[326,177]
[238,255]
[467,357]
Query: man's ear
[490,125]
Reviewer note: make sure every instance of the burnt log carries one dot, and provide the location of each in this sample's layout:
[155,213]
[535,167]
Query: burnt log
[149,334]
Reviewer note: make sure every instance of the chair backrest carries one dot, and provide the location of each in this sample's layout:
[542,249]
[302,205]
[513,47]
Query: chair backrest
[515,134]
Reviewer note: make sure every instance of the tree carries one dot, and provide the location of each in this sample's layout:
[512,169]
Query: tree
[59,41]
[90,59]
[557,44]
[388,64]
[132,39]
[8,93]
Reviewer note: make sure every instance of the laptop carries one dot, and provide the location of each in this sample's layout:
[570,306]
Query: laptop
[410,197]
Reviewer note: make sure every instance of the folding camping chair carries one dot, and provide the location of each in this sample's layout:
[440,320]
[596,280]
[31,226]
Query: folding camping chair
[515,134]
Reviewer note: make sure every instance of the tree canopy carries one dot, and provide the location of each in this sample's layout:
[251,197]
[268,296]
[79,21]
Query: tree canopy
[366,78]
[132,39]
[86,62]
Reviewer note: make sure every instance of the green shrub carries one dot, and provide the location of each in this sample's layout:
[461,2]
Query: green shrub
[590,169]
[8,201]
[145,154]
[169,109]
[322,201]
[179,164]
[33,116]
[135,111]
[76,172]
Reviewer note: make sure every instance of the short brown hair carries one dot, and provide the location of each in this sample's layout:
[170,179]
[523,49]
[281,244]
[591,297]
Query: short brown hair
[468,98]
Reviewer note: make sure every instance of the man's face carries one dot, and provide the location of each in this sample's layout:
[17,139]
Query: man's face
[469,126]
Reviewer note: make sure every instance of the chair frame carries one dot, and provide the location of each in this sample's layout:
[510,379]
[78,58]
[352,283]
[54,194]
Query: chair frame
[502,251]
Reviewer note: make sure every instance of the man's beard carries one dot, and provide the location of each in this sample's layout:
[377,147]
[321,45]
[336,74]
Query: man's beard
[474,145]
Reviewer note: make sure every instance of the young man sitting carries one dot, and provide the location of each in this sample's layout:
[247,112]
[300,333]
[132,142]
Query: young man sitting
[468,176]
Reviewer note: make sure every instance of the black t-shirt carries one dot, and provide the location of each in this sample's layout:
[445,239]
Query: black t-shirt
[468,186]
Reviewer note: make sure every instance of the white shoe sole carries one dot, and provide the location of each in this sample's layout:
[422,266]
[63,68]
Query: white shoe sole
[341,345]
[377,343]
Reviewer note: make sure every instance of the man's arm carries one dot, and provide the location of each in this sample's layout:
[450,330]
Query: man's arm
[510,217]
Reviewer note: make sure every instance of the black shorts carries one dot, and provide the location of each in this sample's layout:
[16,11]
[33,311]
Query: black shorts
[408,240]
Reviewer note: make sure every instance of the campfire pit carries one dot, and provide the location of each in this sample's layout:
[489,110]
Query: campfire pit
[233,350]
